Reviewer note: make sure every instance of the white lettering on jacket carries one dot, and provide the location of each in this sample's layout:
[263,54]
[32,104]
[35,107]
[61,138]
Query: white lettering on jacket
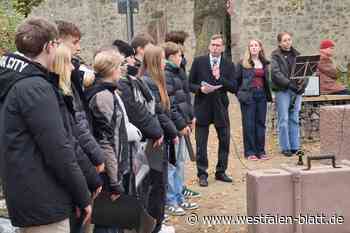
[3,61]
[13,63]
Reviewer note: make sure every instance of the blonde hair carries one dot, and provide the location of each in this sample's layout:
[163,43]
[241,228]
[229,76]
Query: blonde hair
[88,79]
[62,67]
[106,61]
[247,60]
[152,63]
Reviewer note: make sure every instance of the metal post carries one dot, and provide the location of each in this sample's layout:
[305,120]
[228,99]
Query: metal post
[129,21]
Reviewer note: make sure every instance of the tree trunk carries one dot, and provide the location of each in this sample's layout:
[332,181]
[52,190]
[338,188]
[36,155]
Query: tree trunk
[209,19]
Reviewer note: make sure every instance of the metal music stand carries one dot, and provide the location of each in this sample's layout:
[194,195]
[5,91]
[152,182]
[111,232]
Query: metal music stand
[305,66]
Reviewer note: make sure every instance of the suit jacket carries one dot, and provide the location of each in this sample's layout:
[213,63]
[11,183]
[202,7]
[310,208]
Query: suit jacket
[212,107]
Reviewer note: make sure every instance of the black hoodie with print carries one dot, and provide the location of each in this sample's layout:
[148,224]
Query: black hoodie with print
[41,178]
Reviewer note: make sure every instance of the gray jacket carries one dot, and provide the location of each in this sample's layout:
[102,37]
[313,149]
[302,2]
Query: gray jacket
[110,131]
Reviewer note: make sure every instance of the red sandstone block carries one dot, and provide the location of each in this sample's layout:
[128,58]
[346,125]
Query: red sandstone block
[335,131]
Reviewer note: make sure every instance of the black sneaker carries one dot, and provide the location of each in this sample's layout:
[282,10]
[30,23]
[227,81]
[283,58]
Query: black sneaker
[295,151]
[203,182]
[287,153]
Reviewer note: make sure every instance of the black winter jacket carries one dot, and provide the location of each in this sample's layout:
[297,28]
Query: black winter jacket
[175,92]
[178,89]
[244,79]
[86,140]
[164,115]
[67,112]
[280,71]
[41,177]
[136,95]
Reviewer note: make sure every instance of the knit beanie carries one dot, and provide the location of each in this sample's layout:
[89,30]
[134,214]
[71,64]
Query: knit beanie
[325,44]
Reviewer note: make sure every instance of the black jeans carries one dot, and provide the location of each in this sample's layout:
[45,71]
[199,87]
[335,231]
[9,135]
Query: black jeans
[223,134]
[253,122]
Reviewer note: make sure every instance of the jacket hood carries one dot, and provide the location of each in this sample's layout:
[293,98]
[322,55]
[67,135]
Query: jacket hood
[99,86]
[15,67]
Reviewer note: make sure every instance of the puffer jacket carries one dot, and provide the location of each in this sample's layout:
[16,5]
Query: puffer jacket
[178,91]
[67,112]
[84,134]
[139,106]
[164,115]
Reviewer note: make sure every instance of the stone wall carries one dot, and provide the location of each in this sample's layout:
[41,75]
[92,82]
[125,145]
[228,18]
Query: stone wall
[101,24]
[309,20]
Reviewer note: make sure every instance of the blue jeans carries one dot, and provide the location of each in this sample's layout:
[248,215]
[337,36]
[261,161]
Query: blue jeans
[288,106]
[174,194]
[253,121]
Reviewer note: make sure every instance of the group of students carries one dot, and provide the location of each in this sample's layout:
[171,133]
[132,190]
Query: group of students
[69,134]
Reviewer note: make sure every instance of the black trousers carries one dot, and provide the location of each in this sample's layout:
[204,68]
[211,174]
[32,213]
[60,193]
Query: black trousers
[223,134]
[152,192]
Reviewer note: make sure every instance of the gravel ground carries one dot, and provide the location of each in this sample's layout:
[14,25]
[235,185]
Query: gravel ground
[221,199]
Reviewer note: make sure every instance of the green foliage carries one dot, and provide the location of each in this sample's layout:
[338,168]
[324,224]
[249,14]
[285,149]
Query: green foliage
[24,7]
[343,75]
[8,23]
[296,4]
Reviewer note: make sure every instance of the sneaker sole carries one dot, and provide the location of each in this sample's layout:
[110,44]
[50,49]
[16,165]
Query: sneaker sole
[191,208]
[196,196]
[174,213]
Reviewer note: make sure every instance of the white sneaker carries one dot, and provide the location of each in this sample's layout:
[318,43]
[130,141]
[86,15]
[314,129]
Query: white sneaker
[166,218]
[174,210]
[167,229]
[189,205]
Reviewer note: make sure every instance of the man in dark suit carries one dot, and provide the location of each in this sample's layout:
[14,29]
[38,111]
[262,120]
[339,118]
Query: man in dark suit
[211,106]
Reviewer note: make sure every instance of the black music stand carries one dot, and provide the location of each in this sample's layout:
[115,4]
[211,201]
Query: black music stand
[305,66]
[304,69]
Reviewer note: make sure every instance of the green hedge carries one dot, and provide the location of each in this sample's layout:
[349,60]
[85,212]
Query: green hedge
[9,19]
